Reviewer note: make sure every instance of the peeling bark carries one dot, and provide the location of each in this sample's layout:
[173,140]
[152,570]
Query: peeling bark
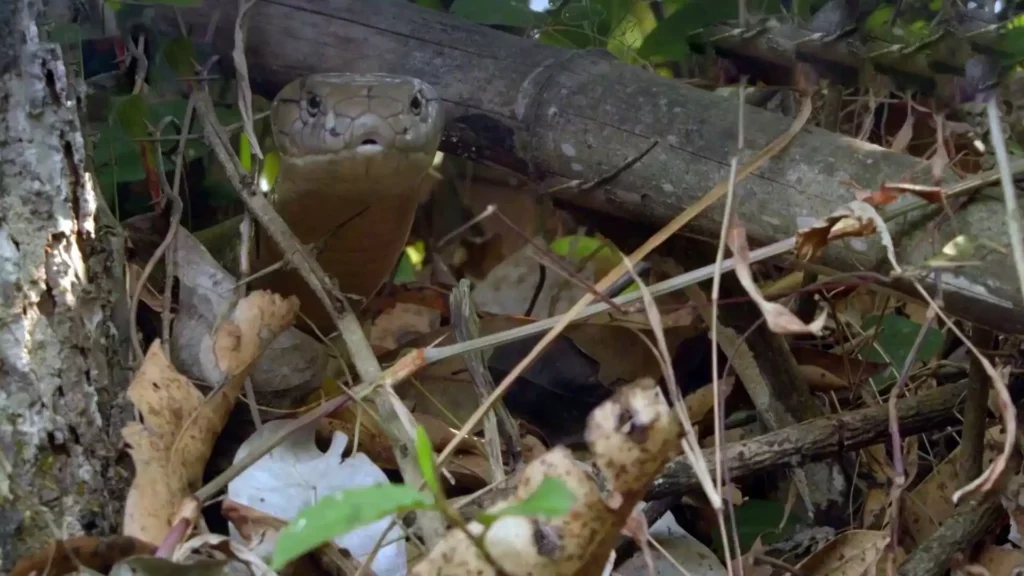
[60,375]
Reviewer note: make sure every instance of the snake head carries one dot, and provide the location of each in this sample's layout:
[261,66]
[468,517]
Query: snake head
[360,131]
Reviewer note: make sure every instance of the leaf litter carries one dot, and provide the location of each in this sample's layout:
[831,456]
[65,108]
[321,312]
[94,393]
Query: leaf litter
[628,428]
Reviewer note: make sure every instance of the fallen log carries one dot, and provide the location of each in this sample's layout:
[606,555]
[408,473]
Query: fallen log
[555,115]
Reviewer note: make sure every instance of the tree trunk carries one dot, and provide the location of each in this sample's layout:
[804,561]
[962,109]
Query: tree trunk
[553,114]
[61,379]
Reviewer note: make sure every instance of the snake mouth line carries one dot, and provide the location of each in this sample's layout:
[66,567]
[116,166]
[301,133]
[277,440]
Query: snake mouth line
[369,148]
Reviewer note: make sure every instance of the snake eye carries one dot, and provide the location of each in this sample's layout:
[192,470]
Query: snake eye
[416,104]
[313,104]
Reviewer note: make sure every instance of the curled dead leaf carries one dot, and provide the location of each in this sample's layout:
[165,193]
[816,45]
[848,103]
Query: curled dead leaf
[845,222]
[852,553]
[779,318]
[165,399]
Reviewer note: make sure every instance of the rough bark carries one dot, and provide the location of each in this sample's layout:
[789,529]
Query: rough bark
[821,438]
[970,523]
[59,278]
[556,114]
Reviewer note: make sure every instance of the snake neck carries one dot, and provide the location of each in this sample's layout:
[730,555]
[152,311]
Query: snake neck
[361,238]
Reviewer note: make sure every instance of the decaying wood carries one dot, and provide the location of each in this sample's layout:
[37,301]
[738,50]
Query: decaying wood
[957,534]
[61,384]
[557,115]
[822,438]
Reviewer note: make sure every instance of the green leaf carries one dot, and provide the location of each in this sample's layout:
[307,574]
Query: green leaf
[550,500]
[131,113]
[608,258]
[515,13]
[341,513]
[432,4]
[180,55]
[1011,42]
[590,24]
[117,156]
[404,272]
[244,151]
[69,33]
[668,42]
[756,518]
[877,23]
[425,455]
[269,170]
[896,338]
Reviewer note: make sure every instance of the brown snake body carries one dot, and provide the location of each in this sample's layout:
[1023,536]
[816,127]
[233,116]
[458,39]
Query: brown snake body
[354,149]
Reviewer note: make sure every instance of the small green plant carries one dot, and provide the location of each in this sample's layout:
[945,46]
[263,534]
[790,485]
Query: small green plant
[356,507]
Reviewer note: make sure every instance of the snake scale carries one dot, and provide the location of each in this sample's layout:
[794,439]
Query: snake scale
[354,151]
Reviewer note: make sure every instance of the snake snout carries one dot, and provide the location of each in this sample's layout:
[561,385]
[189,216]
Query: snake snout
[369,143]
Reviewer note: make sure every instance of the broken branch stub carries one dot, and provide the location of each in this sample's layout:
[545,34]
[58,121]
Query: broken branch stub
[632,435]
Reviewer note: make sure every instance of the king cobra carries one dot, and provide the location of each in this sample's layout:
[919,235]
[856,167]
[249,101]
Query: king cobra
[354,151]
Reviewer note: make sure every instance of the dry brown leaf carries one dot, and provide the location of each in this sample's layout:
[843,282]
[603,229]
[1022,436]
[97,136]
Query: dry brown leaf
[850,369]
[889,193]
[149,296]
[233,350]
[532,448]
[370,440]
[820,380]
[165,399]
[851,220]
[401,323]
[1012,498]
[876,509]
[68,556]
[930,503]
[520,208]
[291,366]
[259,530]
[171,448]
[636,529]
[700,403]
[852,553]
[779,318]
[999,560]
[745,564]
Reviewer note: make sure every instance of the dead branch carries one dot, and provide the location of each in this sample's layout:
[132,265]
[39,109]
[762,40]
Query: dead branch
[823,438]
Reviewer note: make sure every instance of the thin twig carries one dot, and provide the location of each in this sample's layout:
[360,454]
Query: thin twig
[498,425]
[437,353]
[995,126]
[975,410]
[899,479]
